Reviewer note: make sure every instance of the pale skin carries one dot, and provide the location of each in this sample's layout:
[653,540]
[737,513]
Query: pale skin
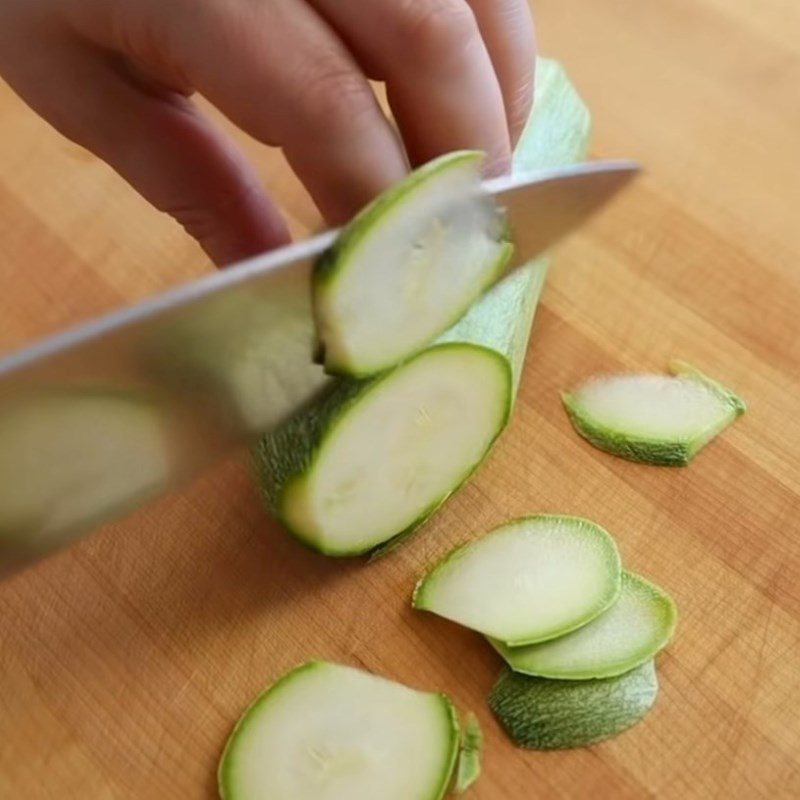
[117,76]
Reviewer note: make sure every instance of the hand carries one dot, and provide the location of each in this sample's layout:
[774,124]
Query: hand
[116,76]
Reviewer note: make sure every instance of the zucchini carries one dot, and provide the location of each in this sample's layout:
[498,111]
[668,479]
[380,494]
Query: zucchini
[655,419]
[557,130]
[372,459]
[60,465]
[468,769]
[329,732]
[529,580]
[407,267]
[639,624]
[543,714]
[300,468]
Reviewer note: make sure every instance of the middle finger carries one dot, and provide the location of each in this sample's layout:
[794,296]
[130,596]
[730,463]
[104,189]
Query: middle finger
[440,81]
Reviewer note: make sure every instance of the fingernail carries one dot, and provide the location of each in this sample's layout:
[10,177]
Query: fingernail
[496,166]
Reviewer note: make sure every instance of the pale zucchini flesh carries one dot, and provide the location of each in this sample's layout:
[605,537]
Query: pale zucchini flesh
[330,732]
[631,631]
[408,266]
[527,581]
[656,419]
[543,714]
[392,451]
[60,464]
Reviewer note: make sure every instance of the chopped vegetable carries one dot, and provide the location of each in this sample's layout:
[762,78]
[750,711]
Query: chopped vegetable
[657,419]
[328,731]
[544,714]
[468,769]
[408,266]
[630,632]
[60,465]
[530,580]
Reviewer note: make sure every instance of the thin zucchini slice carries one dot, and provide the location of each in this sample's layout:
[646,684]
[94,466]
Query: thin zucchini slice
[408,266]
[656,419]
[468,769]
[329,732]
[639,624]
[69,458]
[543,714]
[527,581]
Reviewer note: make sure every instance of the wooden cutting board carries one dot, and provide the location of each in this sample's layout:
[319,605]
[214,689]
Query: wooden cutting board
[125,660]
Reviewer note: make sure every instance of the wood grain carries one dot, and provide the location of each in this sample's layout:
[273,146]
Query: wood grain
[125,660]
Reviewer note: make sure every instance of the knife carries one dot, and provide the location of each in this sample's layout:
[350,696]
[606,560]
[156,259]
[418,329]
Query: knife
[99,419]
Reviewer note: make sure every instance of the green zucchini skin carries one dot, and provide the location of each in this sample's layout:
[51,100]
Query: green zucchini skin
[544,714]
[644,451]
[647,450]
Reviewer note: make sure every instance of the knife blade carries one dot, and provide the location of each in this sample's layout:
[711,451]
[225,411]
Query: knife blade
[96,420]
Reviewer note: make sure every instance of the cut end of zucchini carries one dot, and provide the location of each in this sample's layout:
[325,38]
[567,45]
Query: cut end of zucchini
[656,419]
[639,623]
[527,581]
[70,459]
[399,449]
[408,266]
[543,714]
[469,755]
[330,732]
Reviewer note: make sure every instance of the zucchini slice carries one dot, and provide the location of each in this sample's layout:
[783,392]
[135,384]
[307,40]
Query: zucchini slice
[527,581]
[60,465]
[656,419]
[543,714]
[408,266]
[468,769]
[639,624]
[329,732]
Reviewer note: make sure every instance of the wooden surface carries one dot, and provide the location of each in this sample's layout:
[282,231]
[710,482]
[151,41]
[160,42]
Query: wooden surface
[125,660]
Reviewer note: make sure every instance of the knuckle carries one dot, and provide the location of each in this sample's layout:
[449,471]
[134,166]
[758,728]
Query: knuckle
[437,30]
[335,95]
[202,217]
